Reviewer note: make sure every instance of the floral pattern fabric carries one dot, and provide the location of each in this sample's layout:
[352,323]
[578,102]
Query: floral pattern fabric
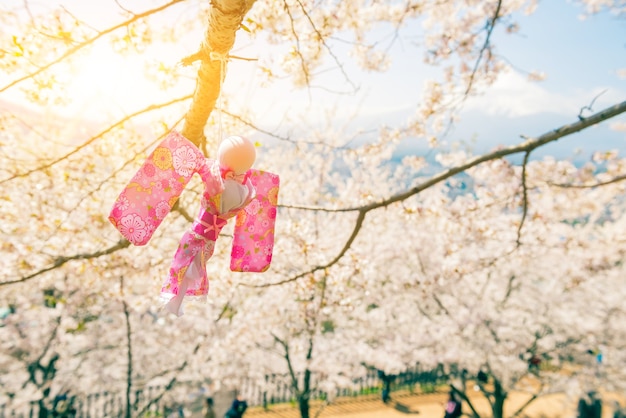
[187,274]
[253,238]
[155,188]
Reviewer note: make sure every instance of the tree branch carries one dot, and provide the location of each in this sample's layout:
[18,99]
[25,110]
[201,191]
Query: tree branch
[112,175]
[129,350]
[490,27]
[97,136]
[344,250]
[589,107]
[525,199]
[305,71]
[88,42]
[182,211]
[328,49]
[169,385]
[465,398]
[527,146]
[528,402]
[292,374]
[441,305]
[35,365]
[61,260]
[224,20]
[590,186]
[509,289]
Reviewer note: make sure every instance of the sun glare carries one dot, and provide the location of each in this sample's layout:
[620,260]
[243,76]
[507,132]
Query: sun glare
[107,83]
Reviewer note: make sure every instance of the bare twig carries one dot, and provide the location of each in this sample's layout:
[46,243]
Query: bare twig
[590,106]
[305,70]
[124,8]
[97,136]
[86,43]
[328,49]
[286,356]
[524,199]
[36,365]
[76,19]
[29,12]
[441,305]
[509,289]
[182,211]
[61,260]
[322,407]
[103,182]
[589,186]
[169,385]
[287,138]
[528,402]
[490,28]
[257,128]
[357,227]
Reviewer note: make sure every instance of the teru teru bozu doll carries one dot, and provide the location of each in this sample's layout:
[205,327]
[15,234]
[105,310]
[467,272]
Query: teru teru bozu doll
[232,188]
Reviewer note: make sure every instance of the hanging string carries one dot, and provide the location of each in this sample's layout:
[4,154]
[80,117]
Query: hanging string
[223,59]
[197,56]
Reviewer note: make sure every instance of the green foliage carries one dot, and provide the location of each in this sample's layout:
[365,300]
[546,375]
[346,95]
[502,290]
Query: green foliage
[328,326]
[428,387]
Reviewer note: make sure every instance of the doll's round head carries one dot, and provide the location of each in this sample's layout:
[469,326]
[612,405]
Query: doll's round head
[236,153]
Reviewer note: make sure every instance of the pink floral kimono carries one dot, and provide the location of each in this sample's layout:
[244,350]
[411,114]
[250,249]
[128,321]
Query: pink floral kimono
[187,275]
[152,192]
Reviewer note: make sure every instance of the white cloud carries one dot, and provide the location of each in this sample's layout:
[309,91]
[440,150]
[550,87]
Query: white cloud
[618,126]
[513,95]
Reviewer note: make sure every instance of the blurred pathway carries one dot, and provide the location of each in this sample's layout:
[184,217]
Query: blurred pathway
[427,406]
[370,406]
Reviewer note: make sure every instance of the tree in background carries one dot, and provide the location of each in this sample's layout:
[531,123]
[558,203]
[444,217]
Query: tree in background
[377,261]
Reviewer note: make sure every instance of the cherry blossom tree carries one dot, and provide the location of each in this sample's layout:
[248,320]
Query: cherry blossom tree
[522,310]
[377,262]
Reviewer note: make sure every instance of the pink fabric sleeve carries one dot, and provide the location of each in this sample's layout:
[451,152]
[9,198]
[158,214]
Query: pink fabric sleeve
[253,241]
[153,190]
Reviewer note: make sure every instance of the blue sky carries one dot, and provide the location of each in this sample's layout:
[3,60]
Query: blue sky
[581,58]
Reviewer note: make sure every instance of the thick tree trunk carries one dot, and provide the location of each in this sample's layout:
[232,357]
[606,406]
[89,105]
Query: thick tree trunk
[224,20]
[499,396]
[305,395]
[129,354]
[303,405]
